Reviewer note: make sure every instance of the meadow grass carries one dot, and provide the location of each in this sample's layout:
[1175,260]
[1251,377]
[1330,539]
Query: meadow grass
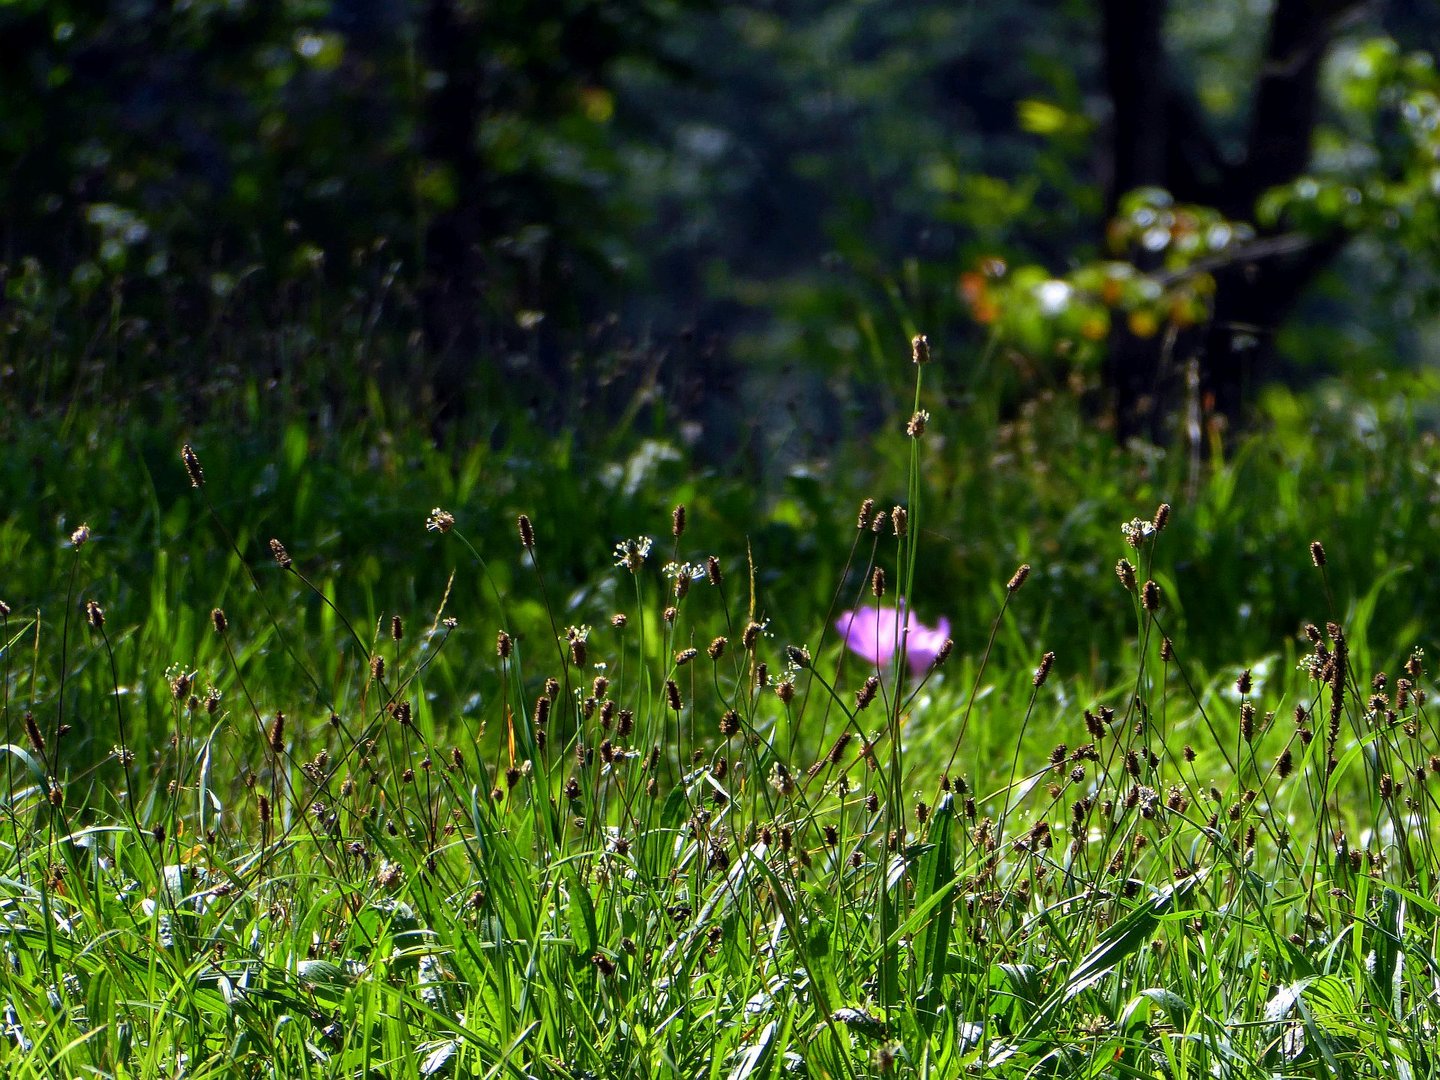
[495,763]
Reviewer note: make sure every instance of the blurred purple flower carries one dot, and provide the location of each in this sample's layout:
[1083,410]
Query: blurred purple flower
[874,633]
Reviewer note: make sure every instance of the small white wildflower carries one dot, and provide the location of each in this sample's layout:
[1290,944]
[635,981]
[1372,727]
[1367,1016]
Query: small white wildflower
[1137,531]
[631,554]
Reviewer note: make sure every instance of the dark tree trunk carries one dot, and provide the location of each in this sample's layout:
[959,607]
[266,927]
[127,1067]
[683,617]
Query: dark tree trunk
[1158,138]
[454,238]
[1135,79]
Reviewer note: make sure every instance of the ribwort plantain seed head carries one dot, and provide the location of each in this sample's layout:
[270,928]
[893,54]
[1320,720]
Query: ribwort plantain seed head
[920,349]
[192,466]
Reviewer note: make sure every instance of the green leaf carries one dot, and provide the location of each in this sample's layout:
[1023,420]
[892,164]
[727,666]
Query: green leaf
[936,878]
[756,1058]
[581,911]
[1119,942]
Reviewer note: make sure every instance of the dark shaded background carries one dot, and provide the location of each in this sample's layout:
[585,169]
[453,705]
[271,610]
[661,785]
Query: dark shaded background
[703,209]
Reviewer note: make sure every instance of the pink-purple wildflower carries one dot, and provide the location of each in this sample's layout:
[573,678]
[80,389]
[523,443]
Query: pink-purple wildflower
[874,633]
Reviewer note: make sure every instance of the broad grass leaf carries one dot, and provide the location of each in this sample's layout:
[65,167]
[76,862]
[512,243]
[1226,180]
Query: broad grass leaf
[1023,981]
[580,909]
[324,977]
[755,1060]
[676,808]
[1124,939]
[1386,976]
[818,947]
[1136,1009]
[438,1059]
[936,880]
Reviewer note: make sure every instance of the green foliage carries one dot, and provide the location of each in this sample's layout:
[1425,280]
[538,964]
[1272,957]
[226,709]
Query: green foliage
[555,860]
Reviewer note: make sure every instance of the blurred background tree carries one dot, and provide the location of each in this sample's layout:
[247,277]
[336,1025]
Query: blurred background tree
[722,214]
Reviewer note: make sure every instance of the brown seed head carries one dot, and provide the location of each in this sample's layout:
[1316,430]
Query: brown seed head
[192,466]
[32,732]
[377,667]
[527,532]
[1018,578]
[877,582]
[866,694]
[1043,671]
[4,610]
[866,509]
[397,628]
[677,521]
[1162,517]
[920,349]
[672,695]
[684,656]
[916,427]
[730,723]
[717,648]
[1243,683]
[900,520]
[281,556]
[1150,597]
[276,736]
[1125,571]
[943,653]
[218,620]
[1317,553]
[504,643]
[618,620]
[94,614]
